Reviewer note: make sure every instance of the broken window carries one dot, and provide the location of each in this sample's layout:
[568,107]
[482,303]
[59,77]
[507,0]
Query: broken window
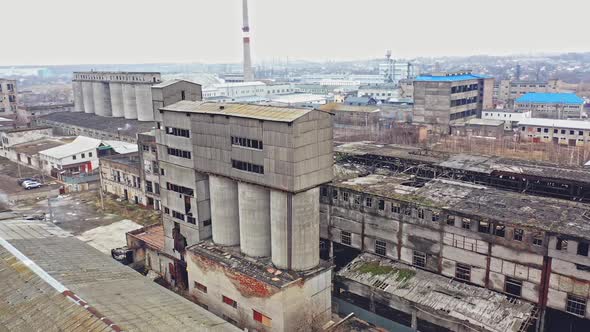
[518,234]
[466,224]
[576,305]
[265,320]
[324,191]
[583,248]
[380,247]
[538,240]
[561,244]
[395,208]
[419,259]
[334,194]
[499,230]
[368,202]
[435,216]
[345,196]
[201,287]
[381,205]
[513,286]
[345,238]
[408,211]
[451,220]
[421,213]
[484,227]
[463,272]
[229,301]
[357,200]
[583,267]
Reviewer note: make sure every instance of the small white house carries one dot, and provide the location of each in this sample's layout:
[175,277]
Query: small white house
[79,156]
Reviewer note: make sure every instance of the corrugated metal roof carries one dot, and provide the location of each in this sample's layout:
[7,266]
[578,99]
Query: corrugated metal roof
[29,303]
[80,144]
[568,124]
[550,98]
[450,78]
[270,113]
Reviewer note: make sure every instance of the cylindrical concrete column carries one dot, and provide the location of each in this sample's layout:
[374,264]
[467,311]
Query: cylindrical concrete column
[129,105]
[88,95]
[295,229]
[102,99]
[225,225]
[143,97]
[254,207]
[78,96]
[117,99]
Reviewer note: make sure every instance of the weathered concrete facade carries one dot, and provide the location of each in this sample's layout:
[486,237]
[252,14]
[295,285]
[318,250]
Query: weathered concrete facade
[246,177]
[441,99]
[120,176]
[149,168]
[8,96]
[498,240]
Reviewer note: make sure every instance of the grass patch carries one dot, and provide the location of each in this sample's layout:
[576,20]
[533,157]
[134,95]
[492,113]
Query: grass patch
[375,269]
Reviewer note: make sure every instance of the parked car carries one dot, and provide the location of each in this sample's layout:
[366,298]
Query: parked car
[31,185]
[21,180]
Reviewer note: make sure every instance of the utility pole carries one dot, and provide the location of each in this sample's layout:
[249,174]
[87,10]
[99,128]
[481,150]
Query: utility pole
[50,209]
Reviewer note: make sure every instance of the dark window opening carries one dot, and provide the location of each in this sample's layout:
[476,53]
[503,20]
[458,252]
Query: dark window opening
[463,272]
[513,286]
[583,248]
[419,259]
[518,234]
[380,247]
[346,238]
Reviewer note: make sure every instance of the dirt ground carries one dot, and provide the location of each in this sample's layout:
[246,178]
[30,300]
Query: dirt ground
[11,171]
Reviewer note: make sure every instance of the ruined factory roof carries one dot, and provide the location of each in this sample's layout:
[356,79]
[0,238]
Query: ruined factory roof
[440,296]
[474,163]
[170,82]
[125,297]
[339,107]
[32,302]
[34,147]
[260,269]
[151,235]
[270,113]
[550,98]
[127,159]
[543,213]
[102,123]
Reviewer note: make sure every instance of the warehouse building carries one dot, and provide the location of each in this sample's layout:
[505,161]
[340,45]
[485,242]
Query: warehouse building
[551,105]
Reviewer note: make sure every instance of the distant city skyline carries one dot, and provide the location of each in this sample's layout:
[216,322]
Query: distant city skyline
[206,31]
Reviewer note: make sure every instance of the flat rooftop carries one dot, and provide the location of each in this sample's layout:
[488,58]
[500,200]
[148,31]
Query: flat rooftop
[543,213]
[127,298]
[34,147]
[151,235]
[127,159]
[553,123]
[449,78]
[260,269]
[550,98]
[269,113]
[474,163]
[453,300]
[340,107]
[102,123]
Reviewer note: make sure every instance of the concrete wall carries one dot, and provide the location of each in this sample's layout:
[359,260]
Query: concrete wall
[111,185]
[172,93]
[292,308]
[295,157]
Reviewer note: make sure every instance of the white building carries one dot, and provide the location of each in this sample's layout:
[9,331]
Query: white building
[566,132]
[511,119]
[393,72]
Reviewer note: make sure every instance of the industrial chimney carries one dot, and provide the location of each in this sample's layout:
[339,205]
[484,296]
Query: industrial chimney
[248,72]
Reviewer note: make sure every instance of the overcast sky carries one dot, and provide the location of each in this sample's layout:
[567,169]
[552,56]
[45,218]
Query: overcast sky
[143,31]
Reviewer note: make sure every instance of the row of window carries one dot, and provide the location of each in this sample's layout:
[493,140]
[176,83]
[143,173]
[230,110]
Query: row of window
[248,167]
[557,131]
[178,132]
[463,101]
[179,153]
[180,189]
[464,114]
[146,148]
[152,187]
[582,249]
[82,156]
[464,88]
[246,142]
[496,229]
[256,315]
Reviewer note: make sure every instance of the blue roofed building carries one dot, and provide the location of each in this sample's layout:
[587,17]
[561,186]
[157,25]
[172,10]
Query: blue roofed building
[551,105]
[445,99]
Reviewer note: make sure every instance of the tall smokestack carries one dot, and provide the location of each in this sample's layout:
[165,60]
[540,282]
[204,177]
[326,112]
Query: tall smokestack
[248,72]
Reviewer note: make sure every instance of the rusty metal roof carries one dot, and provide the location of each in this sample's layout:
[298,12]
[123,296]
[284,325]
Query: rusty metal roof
[269,113]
